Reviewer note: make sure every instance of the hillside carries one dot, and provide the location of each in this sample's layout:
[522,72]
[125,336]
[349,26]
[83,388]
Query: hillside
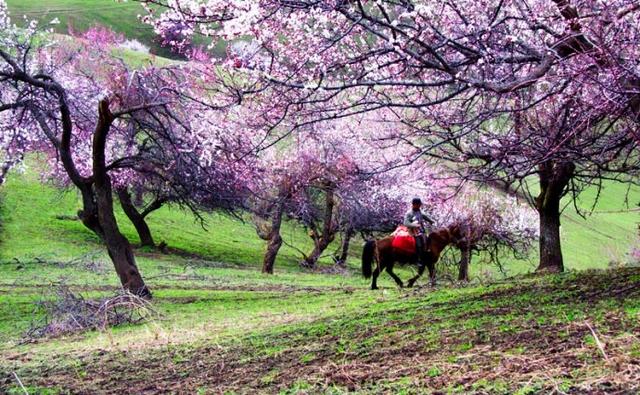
[54,234]
[608,233]
[80,15]
[575,333]
[606,236]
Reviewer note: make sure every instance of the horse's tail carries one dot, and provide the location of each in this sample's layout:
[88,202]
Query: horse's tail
[367,257]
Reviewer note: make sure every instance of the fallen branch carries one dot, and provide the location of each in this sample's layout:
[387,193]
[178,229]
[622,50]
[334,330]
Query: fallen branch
[20,382]
[68,312]
[598,342]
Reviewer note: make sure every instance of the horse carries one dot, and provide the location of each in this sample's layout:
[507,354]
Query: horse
[386,256]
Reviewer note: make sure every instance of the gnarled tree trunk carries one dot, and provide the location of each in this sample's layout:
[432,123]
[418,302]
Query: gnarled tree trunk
[274,240]
[138,219]
[554,179]
[465,260]
[89,212]
[344,246]
[97,199]
[117,244]
[322,240]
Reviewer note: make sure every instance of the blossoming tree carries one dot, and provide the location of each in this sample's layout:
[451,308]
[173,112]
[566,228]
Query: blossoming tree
[530,82]
[102,122]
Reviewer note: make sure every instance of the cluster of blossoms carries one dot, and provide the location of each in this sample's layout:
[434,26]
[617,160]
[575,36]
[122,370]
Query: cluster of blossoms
[14,142]
[16,137]
[421,49]
[346,177]
[488,218]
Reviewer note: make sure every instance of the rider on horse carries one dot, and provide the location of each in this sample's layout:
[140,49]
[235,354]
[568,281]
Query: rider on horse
[418,223]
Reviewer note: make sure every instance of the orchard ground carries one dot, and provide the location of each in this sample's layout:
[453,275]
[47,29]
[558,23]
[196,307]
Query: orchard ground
[223,326]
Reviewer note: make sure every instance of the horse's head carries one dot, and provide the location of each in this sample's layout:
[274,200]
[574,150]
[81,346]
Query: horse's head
[439,239]
[456,234]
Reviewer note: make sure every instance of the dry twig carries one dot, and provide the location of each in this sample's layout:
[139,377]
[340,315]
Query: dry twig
[598,342]
[20,382]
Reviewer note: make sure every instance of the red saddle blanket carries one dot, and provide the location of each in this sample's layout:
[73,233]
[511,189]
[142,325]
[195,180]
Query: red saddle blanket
[403,240]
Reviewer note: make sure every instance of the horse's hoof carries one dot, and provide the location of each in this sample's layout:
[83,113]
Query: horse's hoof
[374,288]
[409,284]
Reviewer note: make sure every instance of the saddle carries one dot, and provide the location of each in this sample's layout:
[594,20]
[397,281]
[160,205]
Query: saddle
[404,240]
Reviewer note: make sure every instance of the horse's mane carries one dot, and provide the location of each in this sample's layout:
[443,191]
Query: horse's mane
[445,235]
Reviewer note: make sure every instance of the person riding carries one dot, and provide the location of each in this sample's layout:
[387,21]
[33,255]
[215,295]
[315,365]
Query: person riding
[418,223]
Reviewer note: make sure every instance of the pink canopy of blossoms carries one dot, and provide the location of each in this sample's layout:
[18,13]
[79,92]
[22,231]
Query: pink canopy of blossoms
[413,54]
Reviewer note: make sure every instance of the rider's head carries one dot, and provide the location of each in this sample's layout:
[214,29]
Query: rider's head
[416,203]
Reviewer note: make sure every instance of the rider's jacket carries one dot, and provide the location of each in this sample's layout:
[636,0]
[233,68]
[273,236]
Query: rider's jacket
[417,221]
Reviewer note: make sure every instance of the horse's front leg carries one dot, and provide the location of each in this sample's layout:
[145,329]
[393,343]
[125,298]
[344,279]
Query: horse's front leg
[395,276]
[432,273]
[413,280]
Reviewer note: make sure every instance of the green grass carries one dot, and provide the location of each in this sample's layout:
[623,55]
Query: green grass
[528,336]
[607,235]
[603,238]
[81,15]
[41,245]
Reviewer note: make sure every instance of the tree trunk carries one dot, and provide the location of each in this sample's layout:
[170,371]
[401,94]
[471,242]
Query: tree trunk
[465,260]
[554,179]
[329,228]
[550,245]
[274,240]
[136,218]
[344,247]
[118,246]
[97,199]
[312,259]
[89,213]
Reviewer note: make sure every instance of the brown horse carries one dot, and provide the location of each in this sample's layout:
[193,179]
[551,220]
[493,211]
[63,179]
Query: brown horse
[386,256]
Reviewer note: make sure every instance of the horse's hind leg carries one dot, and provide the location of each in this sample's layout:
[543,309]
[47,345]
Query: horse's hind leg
[376,272]
[374,280]
[395,276]
[415,278]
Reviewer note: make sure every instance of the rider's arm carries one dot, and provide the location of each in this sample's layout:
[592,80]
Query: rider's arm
[427,218]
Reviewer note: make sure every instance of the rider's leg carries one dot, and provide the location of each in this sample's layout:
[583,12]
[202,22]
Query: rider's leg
[419,245]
